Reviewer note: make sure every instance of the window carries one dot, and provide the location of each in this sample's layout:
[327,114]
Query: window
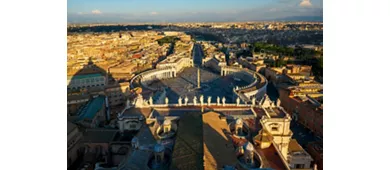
[299,166]
[274,128]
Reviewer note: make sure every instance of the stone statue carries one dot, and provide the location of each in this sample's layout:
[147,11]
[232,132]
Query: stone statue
[223,101]
[150,100]
[278,102]
[127,103]
[139,101]
[253,101]
[119,115]
[209,100]
[166,100]
[201,100]
[195,99]
[266,102]
[218,101]
[179,101]
[186,100]
[238,101]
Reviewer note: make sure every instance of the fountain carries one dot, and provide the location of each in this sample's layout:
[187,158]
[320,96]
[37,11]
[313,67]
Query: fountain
[248,157]
[166,130]
[239,129]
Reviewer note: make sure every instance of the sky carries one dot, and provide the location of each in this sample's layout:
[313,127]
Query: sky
[92,11]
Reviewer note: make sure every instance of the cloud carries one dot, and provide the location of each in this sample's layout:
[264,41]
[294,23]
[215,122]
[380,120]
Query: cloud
[153,13]
[96,11]
[273,9]
[305,3]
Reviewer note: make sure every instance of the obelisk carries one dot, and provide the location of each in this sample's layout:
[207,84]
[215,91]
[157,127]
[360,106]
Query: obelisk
[198,78]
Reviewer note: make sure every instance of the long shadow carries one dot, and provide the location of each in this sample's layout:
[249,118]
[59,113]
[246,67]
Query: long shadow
[93,94]
[272,92]
[188,149]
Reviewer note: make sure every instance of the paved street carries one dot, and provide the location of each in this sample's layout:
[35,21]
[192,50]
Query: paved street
[197,55]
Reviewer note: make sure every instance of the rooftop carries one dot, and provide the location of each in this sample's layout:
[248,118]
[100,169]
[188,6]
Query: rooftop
[218,149]
[275,112]
[91,108]
[294,146]
[99,135]
[271,158]
[71,126]
[137,112]
[188,150]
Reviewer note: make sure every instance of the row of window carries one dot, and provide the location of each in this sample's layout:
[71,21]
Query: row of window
[87,81]
[86,86]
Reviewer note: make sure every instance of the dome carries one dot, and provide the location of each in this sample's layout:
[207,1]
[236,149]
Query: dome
[158,148]
[134,140]
[167,122]
[239,121]
[249,147]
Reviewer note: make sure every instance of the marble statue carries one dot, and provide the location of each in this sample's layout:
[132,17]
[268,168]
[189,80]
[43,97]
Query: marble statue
[278,102]
[166,100]
[223,101]
[128,103]
[253,101]
[195,99]
[179,101]
[201,100]
[266,102]
[209,100]
[186,100]
[150,100]
[238,101]
[218,101]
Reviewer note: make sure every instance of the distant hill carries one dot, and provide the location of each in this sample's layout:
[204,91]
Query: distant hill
[301,18]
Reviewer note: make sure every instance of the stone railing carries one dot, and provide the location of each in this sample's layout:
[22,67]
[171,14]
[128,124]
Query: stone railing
[255,89]
[152,75]
[200,102]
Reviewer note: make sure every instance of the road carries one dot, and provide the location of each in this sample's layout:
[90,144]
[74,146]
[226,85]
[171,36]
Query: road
[197,55]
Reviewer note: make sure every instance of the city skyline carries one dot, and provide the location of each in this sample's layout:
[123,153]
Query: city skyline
[119,11]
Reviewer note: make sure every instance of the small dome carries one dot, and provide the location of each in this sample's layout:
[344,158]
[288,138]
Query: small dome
[167,122]
[239,121]
[134,140]
[158,148]
[249,147]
